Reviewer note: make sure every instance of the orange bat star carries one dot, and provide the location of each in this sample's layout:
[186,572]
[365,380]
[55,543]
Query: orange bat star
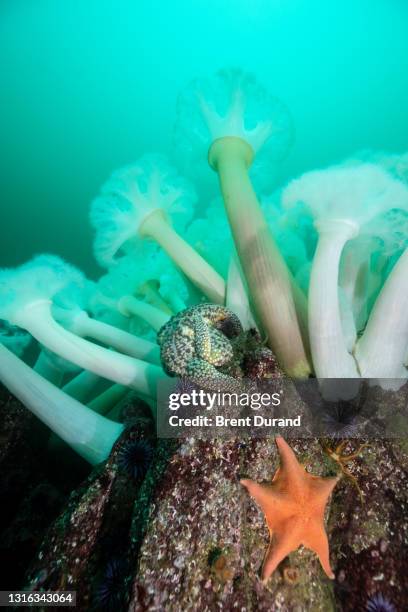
[293,505]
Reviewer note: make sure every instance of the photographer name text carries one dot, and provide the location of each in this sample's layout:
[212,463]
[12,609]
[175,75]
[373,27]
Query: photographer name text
[219,420]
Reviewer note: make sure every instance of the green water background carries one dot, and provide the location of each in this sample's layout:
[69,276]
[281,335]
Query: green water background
[86,86]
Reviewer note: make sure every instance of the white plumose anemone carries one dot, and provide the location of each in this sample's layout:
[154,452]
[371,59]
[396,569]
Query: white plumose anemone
[235,119]
[89,434]
[343,200]
[151,200]
[26,295]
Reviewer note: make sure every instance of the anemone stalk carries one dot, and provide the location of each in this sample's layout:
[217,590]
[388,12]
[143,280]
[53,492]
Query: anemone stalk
[82,385]
[120,340]
[48,370]
[38,320]
[331,358]
[265,270]
[382,350]
[89,434]
[201,274]
[129,306]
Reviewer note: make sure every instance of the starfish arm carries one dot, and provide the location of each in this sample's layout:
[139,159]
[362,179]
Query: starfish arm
[202,337]
[282,543]
[206,376]
[287,456]
[321,489]
[317,541]
[262,493]
[290,468]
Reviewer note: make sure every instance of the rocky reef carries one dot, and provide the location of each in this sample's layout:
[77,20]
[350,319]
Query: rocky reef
[166,524]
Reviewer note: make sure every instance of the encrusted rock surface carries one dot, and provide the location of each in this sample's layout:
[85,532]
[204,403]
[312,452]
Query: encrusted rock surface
[28,500]
[370,540]
[88,549]
[206,539]
[188,537]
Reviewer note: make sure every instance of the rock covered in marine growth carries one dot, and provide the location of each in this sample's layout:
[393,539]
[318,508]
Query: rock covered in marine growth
[370,540]
[88,548]
[206,540]
[30,499]
[189,537]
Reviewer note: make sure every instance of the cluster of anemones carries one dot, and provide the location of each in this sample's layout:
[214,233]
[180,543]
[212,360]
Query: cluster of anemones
[319,266]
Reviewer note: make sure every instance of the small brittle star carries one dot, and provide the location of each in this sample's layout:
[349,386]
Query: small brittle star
[336,454]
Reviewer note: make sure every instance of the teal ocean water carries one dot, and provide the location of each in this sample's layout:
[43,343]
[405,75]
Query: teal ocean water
[88,86]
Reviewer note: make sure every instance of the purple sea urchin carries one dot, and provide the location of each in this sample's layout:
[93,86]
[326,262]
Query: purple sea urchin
[135,457]
[379,603]
[340,420]
[184,385]
[109,596]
